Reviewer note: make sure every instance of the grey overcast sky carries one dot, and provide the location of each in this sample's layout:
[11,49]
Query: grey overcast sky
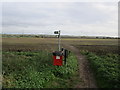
[72,18]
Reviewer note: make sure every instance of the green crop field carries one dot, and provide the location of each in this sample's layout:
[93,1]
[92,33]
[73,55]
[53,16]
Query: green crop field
[36,70]
[28,63]
[104,61]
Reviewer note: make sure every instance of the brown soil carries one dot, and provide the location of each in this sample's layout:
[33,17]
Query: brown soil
[85,73]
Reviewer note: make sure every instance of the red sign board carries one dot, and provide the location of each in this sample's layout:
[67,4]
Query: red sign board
[57,60]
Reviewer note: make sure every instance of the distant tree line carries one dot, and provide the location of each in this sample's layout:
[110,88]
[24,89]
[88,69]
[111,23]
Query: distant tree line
[55,36]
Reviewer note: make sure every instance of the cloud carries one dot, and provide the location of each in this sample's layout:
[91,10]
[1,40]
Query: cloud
[81,18]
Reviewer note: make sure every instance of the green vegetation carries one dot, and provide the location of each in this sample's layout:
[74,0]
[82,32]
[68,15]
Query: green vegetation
[104,61]
[27,62]
[106,69]
[36,70]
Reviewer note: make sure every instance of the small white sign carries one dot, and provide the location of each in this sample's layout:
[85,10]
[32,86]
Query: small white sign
[57,57]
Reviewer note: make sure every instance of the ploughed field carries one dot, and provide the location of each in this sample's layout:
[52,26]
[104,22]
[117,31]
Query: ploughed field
[27,62]
[37,44]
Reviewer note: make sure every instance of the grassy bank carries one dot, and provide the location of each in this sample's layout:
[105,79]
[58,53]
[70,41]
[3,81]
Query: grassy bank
[36,70]
[106,69]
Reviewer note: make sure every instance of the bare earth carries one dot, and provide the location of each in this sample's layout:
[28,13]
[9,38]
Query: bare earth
[85,73]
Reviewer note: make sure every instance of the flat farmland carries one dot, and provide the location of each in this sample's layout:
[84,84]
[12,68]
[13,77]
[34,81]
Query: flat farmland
[32,58]
[36,44]
[63,40]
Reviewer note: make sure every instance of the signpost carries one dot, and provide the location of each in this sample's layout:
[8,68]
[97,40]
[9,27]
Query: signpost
[61,54]
[58,32]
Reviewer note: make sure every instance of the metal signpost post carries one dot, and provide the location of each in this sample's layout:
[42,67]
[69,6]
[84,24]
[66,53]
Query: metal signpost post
[59,39]
[58,32]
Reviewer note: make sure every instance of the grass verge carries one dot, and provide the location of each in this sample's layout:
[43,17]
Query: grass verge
[36,70]
[106,69]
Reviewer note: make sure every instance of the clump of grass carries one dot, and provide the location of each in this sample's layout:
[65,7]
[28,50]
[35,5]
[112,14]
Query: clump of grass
[36,70]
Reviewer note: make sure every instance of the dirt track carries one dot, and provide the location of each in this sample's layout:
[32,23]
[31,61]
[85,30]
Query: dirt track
[85,73]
